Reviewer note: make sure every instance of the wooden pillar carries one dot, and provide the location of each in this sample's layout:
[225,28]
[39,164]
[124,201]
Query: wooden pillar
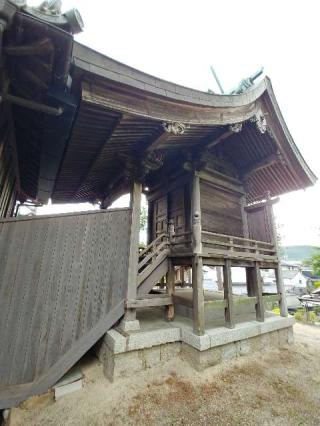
[278,270]
[258,292]
[281,292]
[219,277]
[227,286]
[244,215]
[130,322]
[170,289]
[182,276]
[250,281]
[197,264]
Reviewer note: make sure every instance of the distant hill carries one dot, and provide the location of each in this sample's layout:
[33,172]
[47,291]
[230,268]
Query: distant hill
[298,253]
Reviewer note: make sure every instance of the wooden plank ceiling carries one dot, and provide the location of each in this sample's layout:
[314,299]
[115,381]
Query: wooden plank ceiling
[103,141]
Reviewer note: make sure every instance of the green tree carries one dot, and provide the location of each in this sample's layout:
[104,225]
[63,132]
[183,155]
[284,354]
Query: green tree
[143,218]
[315,263]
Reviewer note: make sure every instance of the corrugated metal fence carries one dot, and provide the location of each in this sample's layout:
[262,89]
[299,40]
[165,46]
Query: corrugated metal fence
[62,285]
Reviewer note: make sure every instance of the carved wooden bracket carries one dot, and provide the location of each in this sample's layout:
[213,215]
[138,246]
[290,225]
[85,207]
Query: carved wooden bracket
[235,128]
[260,121]
[176,128]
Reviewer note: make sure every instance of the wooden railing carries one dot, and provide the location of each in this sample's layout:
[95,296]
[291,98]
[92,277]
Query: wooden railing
[151,253]
[221,244]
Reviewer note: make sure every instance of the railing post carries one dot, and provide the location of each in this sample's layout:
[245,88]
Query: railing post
[197,265]
[130,321]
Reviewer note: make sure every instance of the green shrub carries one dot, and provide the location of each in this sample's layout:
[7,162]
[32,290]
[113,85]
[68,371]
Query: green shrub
[316,284]
[276,310]
[302,315]
[299,314]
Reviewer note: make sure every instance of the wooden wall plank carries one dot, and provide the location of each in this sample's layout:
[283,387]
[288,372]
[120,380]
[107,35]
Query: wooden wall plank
[60,276]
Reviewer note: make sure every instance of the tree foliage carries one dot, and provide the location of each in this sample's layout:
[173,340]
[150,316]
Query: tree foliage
[315,263]
[143,218]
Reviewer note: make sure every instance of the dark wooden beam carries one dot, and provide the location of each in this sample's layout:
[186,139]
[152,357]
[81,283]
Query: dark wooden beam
[157,142]
[262,204]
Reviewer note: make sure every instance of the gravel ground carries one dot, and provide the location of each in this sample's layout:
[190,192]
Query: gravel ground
[275,387]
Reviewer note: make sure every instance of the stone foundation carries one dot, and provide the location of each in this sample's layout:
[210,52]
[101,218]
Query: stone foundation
[124,354]
[201,360]
[124,364]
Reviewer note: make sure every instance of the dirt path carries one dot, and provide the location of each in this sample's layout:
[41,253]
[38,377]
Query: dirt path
[278,387]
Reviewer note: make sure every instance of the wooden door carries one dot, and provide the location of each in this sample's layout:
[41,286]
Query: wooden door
[259,224]
[160,216]
[177,209]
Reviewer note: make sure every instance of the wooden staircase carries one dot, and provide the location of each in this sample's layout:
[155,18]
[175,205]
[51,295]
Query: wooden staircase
[153,264]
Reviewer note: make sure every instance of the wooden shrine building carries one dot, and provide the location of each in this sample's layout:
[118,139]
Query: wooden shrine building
[77,126]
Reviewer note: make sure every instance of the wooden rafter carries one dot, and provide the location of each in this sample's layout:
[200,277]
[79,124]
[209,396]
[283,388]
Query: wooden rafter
[219,139]
[260,165]
[158,141]
[93,163]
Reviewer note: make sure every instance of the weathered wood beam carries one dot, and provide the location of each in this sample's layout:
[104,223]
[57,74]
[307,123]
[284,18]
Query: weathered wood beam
[129,322]
[212,178]
[278,270]
[281,292]
[156,143]
[198,296]
[262,204]
[149,302]
[170,289]
[257,284]
[197,265]
[227,287]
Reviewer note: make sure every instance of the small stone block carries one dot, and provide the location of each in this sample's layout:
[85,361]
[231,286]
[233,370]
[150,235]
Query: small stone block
[71,376]
[61,391]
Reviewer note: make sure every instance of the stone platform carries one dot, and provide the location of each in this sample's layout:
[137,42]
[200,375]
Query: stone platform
[125,353]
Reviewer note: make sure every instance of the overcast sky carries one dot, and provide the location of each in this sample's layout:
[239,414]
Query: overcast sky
[179,40]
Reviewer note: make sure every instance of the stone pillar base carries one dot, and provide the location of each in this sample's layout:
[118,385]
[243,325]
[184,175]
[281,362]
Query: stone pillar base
[129,325]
